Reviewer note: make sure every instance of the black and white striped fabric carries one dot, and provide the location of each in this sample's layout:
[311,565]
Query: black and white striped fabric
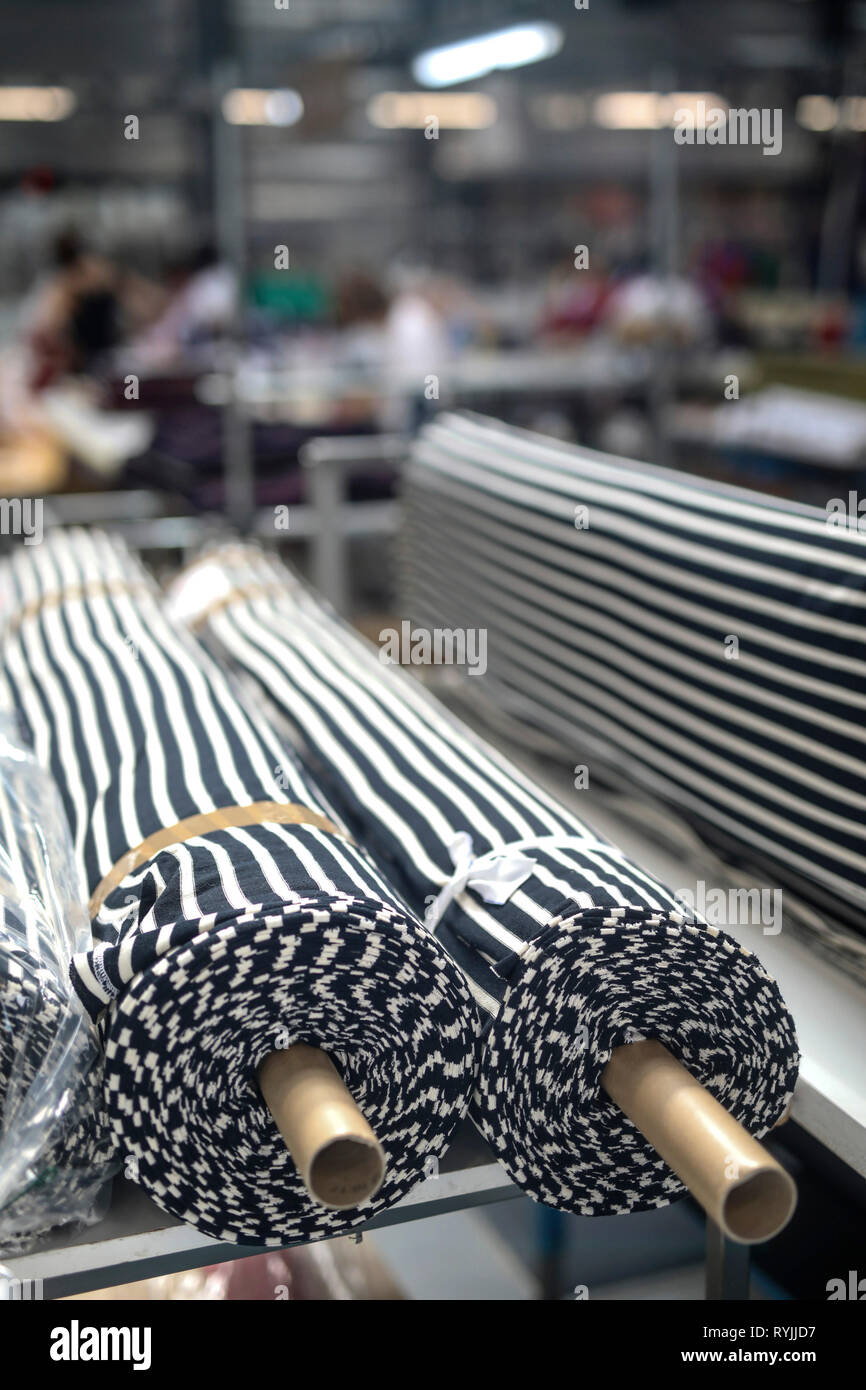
[217,950]
[701,641]
[568,947]
[55,1150]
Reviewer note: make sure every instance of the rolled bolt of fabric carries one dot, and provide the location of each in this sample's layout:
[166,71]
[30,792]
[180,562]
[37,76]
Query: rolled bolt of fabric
[703,642]
[570,950]
[233,916]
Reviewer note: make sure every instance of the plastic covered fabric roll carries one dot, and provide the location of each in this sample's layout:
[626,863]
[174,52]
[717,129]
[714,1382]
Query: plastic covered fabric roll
[55,1150]
[569,948]
[232,914]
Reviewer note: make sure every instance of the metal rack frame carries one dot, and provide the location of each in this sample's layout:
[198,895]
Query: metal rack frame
[329,521]
[137,1240]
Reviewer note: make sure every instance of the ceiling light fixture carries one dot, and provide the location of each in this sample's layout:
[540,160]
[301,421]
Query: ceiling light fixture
[629,111]
[854,113]
[415,110]
[514,47]
[36,103]
[817,113]
[653,110]
[254,106]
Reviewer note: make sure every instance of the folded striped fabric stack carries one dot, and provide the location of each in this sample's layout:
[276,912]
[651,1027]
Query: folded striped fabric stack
[54,1143]
[231,914]
[698,641]
[569,948]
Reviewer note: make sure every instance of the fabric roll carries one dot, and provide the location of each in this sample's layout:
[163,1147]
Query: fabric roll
[568,947]
[697,641]
[220,946]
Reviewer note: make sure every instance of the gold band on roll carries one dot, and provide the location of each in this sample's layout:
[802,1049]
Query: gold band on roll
[95,588]
[205,823]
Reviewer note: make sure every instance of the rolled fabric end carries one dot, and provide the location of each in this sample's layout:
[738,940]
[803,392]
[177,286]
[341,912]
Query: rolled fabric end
[593,982]
[186,1039]
[334,1149]
[740,1186]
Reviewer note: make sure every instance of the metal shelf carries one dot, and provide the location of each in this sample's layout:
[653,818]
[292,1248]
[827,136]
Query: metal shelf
[137,1240]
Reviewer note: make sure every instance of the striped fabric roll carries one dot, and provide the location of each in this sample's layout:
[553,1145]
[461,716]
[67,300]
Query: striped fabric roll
[569,948]
[701,641]
[213,949]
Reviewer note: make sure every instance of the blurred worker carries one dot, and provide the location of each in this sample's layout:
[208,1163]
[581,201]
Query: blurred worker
[73,316]
[417,349]
[360,311]
[575,301]
[70,324]
[200,311]
[652,308]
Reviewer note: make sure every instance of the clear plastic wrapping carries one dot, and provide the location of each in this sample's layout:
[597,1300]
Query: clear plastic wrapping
[55,1153]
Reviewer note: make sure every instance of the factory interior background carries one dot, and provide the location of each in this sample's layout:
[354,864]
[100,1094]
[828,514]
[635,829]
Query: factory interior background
[249,250]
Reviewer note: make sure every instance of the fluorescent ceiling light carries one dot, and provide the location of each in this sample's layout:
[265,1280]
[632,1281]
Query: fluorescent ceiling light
[822,113]
[415,110]
[36,103]
[629,111]
[817,113]
[505,48]
[253,106]
[854,113]
[653,110]
[700,106]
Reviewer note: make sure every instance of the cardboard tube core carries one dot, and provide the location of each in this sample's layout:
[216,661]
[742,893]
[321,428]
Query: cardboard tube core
[335,1150]
[739,1185]
[763,1202]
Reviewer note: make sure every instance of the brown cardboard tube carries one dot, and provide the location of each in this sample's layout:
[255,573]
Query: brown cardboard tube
[738,1184]
[334,1149]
